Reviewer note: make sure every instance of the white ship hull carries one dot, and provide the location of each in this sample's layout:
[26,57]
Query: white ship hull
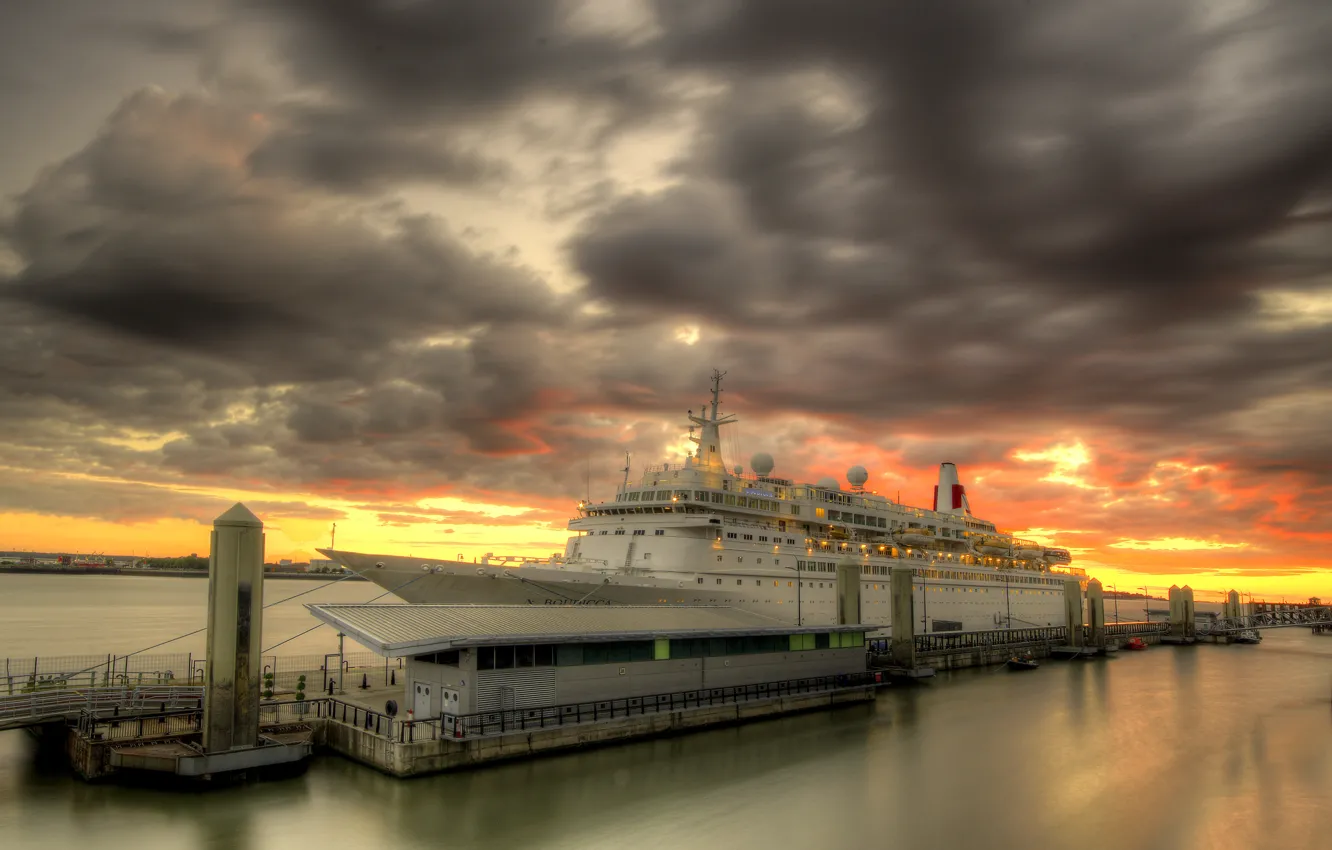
[939,604]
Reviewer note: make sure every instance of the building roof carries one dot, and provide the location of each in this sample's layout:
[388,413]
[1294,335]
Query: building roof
[394,630]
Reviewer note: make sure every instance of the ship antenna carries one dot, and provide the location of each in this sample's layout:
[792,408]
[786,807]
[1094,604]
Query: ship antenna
[716,390]
[626,469]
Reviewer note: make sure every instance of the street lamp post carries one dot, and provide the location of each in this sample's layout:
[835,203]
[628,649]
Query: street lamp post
[1115,589]
[1146,604]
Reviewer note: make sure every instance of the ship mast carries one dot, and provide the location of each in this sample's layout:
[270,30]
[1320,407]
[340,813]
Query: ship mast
[709,454]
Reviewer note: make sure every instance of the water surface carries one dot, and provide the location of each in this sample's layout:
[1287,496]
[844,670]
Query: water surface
[1180,748]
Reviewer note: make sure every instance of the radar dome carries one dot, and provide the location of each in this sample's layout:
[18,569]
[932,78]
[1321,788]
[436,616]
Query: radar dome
[857,476]
[761,463]
[827,483]
[739,470]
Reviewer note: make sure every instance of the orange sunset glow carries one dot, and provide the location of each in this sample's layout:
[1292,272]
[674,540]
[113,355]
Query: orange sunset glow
[436,306]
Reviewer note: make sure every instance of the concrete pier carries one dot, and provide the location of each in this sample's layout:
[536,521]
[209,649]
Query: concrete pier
[902,649]
[1096,615]
[235,627]
[1073,612]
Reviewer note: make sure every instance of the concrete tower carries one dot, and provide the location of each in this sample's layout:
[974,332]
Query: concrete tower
[235,626]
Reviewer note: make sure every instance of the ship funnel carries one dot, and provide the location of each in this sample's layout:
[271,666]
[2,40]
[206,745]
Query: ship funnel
[950,497]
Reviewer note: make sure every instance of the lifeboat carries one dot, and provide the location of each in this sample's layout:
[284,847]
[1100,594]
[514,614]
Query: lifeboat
[1031,553]
[914,537]
[1136,644]
[996,547]
[1058,556]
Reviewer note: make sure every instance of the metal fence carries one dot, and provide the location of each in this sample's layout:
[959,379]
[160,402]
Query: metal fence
[490,723]
[24,675]
[55,704]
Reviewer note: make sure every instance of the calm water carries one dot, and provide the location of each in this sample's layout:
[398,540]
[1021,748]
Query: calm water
[1202,747]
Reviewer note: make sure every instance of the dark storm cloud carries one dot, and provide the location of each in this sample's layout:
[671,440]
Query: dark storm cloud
[357,153]
[157,229]
[456,58]
[1104,147]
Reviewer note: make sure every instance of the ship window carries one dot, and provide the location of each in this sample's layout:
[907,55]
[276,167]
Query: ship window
[730,500]
[700,581]
[719,557]
[737,581]
[647,556]
[717,498]
[661,532]
[763,538]
[718,581]
[619,531]
[760,560]
[729,534]
[790,584]
[758,582]
[820,513]
[603,531]
[749,537]
[663,495]
[638,532]
[700,496]
[795,510]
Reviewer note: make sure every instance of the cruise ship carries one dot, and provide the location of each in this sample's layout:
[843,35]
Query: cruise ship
[697,532]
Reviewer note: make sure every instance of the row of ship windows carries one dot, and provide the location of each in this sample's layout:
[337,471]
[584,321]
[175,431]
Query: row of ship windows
[762,538]
[741,501]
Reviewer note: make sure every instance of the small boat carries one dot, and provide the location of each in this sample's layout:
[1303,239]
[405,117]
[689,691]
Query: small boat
[1249,636]
[1136,643]
[1022,662]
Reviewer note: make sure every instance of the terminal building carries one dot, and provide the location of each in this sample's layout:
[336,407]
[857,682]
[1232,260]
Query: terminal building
[468,659]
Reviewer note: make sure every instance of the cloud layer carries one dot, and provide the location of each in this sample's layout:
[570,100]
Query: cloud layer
[389,251]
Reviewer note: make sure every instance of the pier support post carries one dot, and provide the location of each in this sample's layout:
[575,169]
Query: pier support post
[848,591]
[1176,599]
[1188,612]
[1096,613]
[903,648]
[1073,611]
[1232,607]
[235,624]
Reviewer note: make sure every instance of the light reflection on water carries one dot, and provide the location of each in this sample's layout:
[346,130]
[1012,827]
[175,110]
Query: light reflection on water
[1202,747]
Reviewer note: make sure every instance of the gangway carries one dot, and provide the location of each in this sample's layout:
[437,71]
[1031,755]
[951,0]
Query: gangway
[1279,619]
[54,705]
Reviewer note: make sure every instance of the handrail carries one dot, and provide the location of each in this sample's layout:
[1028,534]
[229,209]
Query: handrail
[501,721]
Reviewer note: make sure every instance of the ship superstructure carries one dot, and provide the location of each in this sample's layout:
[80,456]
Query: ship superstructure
[698,532]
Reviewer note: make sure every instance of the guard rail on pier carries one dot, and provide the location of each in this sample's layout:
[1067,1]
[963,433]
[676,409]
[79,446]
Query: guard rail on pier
[54,705]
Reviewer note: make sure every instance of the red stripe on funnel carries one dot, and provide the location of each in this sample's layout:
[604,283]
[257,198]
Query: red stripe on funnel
[936,498]
[958,490]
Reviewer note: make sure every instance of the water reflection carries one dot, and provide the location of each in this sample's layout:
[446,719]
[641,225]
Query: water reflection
[1172,748]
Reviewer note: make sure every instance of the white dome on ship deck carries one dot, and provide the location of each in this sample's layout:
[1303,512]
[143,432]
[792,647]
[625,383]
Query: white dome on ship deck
[827,483]
[857,476]
[761,463]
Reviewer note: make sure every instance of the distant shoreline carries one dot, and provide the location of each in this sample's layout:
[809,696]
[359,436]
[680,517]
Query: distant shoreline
[29,569]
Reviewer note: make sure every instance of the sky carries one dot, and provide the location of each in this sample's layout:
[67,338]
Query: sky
[427,269]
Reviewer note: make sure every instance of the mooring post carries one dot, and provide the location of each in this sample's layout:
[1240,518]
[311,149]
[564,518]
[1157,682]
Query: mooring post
[235,623]
[848,591]
[1073,611]
[1096,613]
[1176,598]
[903,646]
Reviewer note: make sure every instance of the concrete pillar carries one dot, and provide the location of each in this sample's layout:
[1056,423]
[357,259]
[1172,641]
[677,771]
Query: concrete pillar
[848,591]
[1232,606]
[235,624]
[903,646]
[1096,613]
[1176,598]
[1189,612]
[1073,611]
